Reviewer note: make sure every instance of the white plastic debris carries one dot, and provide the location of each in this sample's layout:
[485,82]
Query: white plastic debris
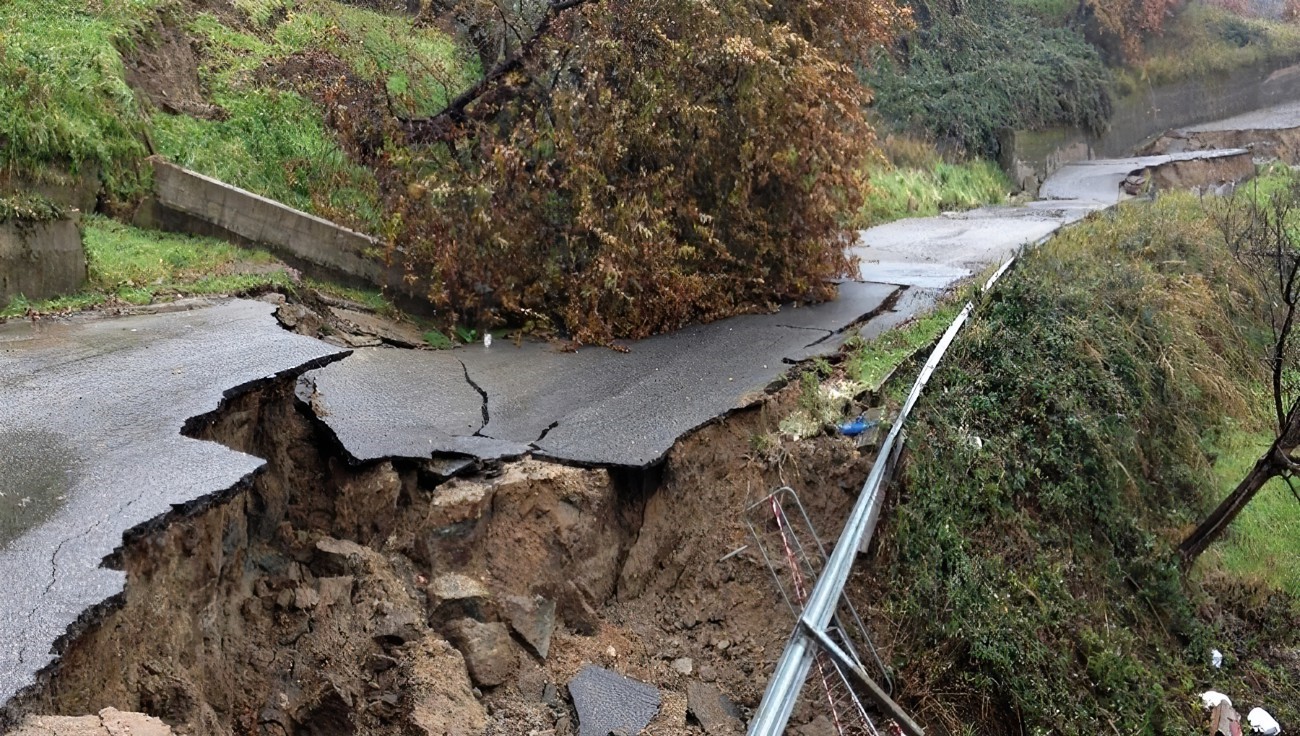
[1216,658]
[1212,698]
[1263,723]
[487,339]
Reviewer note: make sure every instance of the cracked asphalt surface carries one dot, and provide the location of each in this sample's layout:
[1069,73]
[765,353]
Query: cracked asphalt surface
[91,447]
[591,407]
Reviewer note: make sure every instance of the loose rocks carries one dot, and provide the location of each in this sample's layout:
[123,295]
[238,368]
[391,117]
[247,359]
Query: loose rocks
[489,652]
[456,596]
[534,620]
[716,714]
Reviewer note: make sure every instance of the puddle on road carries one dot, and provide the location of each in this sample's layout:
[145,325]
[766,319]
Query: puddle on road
[36,475]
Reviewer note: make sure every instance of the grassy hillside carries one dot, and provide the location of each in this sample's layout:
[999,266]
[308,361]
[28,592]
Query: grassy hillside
[238,89]
[1029,568]
[1206,40]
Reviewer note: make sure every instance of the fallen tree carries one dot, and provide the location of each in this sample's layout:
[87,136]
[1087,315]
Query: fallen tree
[632,167]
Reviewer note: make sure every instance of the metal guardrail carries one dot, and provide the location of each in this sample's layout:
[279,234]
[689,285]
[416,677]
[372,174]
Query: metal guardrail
[811,632]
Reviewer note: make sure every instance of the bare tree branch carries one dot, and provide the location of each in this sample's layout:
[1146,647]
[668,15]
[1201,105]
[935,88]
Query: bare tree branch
[444,125]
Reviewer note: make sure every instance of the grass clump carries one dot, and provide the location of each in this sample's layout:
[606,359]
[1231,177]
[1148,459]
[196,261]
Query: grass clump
[898,192]
[1034,572]
[133,266]
[872,363]
[29,208]
[1205,40]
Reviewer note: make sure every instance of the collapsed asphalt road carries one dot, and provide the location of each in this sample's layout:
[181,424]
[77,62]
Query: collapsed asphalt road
[91,447]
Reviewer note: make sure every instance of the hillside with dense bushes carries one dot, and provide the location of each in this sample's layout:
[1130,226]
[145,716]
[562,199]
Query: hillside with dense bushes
[1030,568]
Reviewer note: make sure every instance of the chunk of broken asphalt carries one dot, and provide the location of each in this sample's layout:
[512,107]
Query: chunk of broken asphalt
[606,702]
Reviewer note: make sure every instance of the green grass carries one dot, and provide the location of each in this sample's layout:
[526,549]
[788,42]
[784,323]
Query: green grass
[1030,565]
[65,107]
[871,363]
[438,340]
[1262,543]
[919,192]
[274,141]
[135,266]
[1204,40]
[1051,12]
[64,104]
[371,299]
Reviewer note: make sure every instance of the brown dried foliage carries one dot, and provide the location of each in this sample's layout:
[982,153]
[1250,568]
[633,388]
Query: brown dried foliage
[653,163]
[1125,24]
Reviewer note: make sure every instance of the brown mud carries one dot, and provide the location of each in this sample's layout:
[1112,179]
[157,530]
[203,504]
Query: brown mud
[330,597]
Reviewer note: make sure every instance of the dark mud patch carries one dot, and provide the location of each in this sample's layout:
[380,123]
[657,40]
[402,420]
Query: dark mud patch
[163,67]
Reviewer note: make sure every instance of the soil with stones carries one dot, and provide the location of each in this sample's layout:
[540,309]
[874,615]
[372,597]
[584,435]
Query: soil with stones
[332,597]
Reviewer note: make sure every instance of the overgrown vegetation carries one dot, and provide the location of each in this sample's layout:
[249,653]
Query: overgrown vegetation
[1204,40]
[132,266]
[1054,463]
[666,161]
[64,103]
[972,69]
[285,79]
[269,76]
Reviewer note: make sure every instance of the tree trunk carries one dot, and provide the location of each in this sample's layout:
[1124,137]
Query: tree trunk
[1266,468]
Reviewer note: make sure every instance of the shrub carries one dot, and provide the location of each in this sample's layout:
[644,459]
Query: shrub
[666,161]
[963,76]
[1061,449]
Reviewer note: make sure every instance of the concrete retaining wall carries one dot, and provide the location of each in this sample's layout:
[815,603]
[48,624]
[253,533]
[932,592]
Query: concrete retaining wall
[40,260]
[1029,157]
[192,203]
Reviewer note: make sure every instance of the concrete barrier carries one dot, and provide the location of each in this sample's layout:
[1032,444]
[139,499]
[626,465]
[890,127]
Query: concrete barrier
[1143,114]
[195,204]
[40,260]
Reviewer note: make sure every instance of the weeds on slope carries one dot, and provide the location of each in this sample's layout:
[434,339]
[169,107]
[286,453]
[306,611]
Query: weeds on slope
[128,265]
[64,103]
[1054,462]
[273,139]
[66,108]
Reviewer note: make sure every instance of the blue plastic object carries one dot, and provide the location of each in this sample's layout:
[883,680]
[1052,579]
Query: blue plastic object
[856,427]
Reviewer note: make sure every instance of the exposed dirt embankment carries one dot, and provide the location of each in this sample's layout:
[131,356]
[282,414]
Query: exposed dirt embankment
[385,598]
[1282,144]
